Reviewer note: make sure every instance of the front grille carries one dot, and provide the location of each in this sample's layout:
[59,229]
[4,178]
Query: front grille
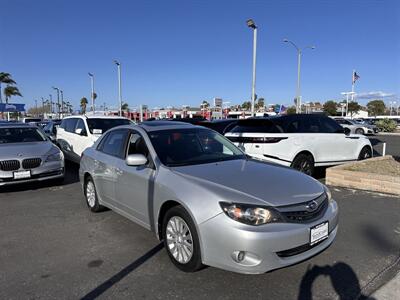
[9,165]
[297,250]
[31,163]
[300,214]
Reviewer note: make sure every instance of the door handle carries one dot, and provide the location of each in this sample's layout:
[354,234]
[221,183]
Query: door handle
[257,146]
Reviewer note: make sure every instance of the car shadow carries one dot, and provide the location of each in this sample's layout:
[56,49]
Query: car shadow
[103,287]
[71,176]
[344,281]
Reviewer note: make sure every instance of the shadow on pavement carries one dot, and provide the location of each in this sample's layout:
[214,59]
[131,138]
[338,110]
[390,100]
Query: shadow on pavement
[344,281]
[71,176]
[122,274]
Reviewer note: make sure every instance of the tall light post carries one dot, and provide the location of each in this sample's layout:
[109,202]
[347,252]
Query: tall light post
[251,24]
[58,101]
[62,102]
[298,91]
[92,86]
[119,87]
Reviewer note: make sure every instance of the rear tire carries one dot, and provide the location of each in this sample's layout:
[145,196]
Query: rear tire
[92,200]
[304,163]
[365,153]
[359,131]
[181,240]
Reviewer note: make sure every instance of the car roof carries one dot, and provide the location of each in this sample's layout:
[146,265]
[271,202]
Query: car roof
[164,125]
[95,117]
[16,124]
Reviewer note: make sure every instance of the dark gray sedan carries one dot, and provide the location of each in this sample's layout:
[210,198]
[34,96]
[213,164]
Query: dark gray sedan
[26,154]
[208,201]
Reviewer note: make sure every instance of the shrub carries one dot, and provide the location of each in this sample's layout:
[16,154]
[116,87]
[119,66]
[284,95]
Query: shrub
[386,125]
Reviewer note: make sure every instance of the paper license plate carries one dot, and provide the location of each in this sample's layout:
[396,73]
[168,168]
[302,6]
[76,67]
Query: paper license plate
[319,233]
[22,174]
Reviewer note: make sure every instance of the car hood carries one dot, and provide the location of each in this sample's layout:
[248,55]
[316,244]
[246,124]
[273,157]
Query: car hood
[25,150]
[254,180]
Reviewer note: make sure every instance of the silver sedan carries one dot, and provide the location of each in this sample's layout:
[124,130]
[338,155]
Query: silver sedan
[26,154]
[209,202]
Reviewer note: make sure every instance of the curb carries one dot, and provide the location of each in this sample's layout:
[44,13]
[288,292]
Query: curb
[389,290]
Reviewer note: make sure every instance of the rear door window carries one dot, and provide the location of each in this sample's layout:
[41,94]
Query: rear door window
[256,126]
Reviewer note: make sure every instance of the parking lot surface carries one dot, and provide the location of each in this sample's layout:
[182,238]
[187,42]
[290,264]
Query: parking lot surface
[52,247]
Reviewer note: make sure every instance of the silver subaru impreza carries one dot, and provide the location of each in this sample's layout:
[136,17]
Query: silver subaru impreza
[209,202]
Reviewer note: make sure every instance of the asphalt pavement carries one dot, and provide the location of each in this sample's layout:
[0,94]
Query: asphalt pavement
[53,247]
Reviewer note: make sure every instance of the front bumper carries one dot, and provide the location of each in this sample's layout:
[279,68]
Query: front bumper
[267,247]
[46,171]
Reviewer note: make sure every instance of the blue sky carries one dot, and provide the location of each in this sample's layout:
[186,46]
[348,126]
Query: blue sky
[183,52]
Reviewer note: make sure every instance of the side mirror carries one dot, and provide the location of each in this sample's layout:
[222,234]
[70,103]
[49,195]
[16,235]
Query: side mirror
[346,131]
[136,160]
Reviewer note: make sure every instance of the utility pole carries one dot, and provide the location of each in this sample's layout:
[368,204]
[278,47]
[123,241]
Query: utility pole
[62,102]
[51,103]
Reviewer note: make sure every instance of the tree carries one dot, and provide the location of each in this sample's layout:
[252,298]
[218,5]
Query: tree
[10,91]
[330,107]
[5,78]
[353,108]
[83,104]
[246,105]
[291,110]
[376,107]
[125,107]
[205,104]
[260,103]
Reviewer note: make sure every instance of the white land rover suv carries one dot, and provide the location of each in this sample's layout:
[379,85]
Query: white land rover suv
[76,133]
[301,141]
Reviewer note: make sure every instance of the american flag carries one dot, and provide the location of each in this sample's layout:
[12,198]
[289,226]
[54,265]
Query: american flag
[355,77]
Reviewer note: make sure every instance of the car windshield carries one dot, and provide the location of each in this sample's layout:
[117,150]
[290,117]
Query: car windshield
[10,135]
[101,125]
[182,147]
[32,120]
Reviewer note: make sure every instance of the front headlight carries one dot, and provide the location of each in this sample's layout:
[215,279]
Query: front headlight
[55,157]
[328,193]
[250,214]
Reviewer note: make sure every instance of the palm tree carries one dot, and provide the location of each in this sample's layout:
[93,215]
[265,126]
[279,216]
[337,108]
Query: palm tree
[84,103]
[11,91]
[5,78]
[125,107]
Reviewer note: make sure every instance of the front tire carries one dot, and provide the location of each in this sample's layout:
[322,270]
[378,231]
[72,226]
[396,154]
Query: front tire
[181,240]
[304,163]
[359,131]
[92,200]
[365,153]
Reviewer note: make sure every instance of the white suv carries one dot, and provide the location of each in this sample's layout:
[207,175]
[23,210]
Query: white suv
[300,141]
[76,133]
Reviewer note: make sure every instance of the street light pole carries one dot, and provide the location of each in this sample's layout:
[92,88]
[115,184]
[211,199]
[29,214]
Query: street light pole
[62,102]
[58,101]
[119,86]
[347,100]
[298,91]
[92,86]
[251,24]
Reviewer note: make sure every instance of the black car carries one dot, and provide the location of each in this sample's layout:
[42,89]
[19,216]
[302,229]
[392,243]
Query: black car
[221,126]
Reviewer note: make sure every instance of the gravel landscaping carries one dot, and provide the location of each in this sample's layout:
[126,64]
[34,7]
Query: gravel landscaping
[389,167]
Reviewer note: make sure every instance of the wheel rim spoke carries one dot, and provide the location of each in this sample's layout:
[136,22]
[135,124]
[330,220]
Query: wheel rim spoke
[179,240]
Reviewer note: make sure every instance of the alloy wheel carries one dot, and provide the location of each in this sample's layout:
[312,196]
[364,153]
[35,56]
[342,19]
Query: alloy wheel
[179,240]
[90,194]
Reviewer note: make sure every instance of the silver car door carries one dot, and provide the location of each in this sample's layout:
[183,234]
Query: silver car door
[135,185]
[109,154]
